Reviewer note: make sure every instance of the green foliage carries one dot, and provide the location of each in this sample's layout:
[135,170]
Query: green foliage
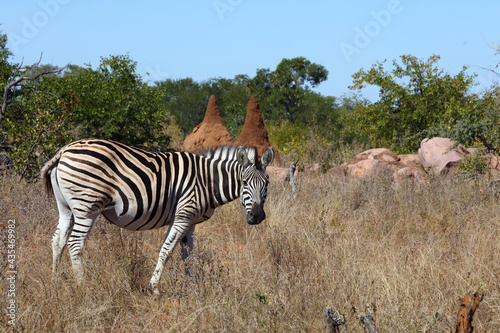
[35,121]
[349,110]
[321,113]
[6,68]
[289,138]
[111,102]
[476,163]
[114,103]
[414,97]
[233,96]
[478,125]
[281,93]
[36,134]
[187,100]
[296,141]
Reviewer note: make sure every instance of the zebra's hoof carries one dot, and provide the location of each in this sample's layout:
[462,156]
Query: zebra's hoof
[153,291]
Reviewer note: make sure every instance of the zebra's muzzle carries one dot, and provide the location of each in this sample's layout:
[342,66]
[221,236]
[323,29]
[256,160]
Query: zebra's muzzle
[256,215]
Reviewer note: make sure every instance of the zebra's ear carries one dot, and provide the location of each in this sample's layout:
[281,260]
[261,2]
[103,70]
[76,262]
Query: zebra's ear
[267,157]
[243,157]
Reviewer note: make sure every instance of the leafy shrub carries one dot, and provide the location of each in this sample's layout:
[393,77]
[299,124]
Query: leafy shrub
[37,134]
[476,163]
[289,138]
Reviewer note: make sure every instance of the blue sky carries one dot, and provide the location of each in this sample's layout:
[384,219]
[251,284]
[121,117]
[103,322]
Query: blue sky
[224,38]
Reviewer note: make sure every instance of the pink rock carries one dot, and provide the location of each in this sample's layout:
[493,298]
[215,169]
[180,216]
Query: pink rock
[281,173]
[366,168]
[437,157]
[407,173]
[380,154]
[410,160]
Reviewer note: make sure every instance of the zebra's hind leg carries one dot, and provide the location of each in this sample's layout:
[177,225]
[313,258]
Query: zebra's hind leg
[187,243]
[175,233]
[187,248]
[76,242]
[61,235]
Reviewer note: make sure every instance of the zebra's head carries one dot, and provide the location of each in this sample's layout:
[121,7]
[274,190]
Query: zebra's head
[254,181]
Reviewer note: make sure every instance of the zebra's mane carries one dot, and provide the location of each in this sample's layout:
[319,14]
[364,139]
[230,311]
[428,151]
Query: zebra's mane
[230,153]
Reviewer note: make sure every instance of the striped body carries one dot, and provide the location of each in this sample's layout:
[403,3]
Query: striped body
[139,190]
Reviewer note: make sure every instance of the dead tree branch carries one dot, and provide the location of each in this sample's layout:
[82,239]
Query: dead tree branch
[468,306]
[17,81]
[291,175]
[333,321]
[368,319]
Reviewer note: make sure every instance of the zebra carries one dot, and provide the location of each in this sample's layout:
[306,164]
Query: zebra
[140,190]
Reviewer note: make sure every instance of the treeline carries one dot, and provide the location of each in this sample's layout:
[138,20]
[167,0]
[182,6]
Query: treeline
[45,107]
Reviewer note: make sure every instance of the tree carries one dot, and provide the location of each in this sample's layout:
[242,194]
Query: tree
[282,91]
[479,124]
[6,68]
[319,112]
[233,96]
[6,74]
[414,98]
[31,121]
[50,106]
[113,102]
[186,99]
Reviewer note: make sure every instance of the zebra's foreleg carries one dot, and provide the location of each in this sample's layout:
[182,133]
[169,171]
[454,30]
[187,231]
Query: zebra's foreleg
[176,231]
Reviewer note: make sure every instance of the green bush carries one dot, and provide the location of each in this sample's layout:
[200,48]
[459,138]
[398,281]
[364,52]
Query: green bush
[289,138]
[476,163]
[37,134]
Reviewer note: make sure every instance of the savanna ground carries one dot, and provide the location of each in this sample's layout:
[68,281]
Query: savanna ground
[413,251]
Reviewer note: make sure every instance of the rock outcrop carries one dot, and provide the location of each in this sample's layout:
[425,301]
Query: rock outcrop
[439,156]
[436,156]
[210,133]
[379,160]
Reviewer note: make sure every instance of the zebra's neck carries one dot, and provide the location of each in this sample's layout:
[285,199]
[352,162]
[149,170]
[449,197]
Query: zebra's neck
[224,180]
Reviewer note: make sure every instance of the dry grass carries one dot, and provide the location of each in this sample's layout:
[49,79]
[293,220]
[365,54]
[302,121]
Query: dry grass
[412,251]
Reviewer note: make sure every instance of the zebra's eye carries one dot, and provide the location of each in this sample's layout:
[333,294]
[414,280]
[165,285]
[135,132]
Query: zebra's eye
[244,182]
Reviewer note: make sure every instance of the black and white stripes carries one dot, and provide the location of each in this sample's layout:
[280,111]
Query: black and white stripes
[139,190]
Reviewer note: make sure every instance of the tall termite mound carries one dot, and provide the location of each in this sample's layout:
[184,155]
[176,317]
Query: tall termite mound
[210,133]
[254,133]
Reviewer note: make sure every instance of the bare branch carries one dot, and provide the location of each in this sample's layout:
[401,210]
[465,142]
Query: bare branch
[333,321]
[17,81]
[368,319]
[490,70]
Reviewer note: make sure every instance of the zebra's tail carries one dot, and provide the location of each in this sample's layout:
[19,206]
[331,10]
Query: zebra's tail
[47,169]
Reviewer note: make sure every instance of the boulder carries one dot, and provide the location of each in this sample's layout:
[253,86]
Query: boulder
[366,167]
[379,154]
[438,157]
[210,133]
[373,161]
[411,160]
[494,164]
[407,174]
